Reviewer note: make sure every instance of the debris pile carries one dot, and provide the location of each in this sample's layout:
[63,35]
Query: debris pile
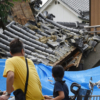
[49,42]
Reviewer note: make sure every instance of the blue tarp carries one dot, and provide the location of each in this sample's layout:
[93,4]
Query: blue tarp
[47,81]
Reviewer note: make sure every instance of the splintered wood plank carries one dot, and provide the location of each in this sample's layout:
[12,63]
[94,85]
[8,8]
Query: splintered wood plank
[78,60]
[66,55]
[75,61]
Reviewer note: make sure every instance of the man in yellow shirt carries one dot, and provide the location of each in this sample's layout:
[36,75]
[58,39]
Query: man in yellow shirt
[16,71]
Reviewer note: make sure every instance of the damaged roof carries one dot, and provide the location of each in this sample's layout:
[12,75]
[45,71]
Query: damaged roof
[48,42]
[34,49]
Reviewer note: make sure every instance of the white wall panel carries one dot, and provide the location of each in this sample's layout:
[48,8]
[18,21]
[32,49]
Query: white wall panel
[62,13]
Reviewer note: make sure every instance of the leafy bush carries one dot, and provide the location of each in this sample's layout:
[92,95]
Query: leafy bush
[5,7]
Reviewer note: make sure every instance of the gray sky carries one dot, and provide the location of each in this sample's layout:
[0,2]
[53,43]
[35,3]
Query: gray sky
[43,2]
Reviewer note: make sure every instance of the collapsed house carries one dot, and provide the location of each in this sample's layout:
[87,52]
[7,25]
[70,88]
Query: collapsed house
[49,42]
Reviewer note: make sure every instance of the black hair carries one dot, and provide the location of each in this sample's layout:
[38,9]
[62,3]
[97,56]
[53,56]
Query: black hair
[58,71]
[16,46]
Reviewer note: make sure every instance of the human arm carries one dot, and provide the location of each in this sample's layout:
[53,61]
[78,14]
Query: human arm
[59,97]
[9,85]
[47,97]
[10,80]
[4,92]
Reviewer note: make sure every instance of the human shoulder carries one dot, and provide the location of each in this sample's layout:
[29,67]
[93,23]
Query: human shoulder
[29,60]
[57,83]
[58,86]
[13,58]
[9,60]
[65,84]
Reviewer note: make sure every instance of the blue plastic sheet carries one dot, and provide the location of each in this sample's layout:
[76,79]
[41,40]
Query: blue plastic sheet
[47,81]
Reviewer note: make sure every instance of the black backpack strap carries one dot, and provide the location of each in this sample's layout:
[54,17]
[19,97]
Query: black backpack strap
[26,77]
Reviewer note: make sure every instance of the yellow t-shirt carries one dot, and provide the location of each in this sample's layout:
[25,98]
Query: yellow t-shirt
[17,64]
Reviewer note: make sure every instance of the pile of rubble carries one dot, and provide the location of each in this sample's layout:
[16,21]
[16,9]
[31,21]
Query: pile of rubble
[49,42]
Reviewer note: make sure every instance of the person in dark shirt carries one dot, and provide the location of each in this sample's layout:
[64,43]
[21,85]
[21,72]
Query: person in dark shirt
[60,91]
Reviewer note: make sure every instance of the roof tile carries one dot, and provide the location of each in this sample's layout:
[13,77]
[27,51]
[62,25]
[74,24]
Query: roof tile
[77,5]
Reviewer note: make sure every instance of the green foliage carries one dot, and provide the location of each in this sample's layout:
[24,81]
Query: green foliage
[5,7]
